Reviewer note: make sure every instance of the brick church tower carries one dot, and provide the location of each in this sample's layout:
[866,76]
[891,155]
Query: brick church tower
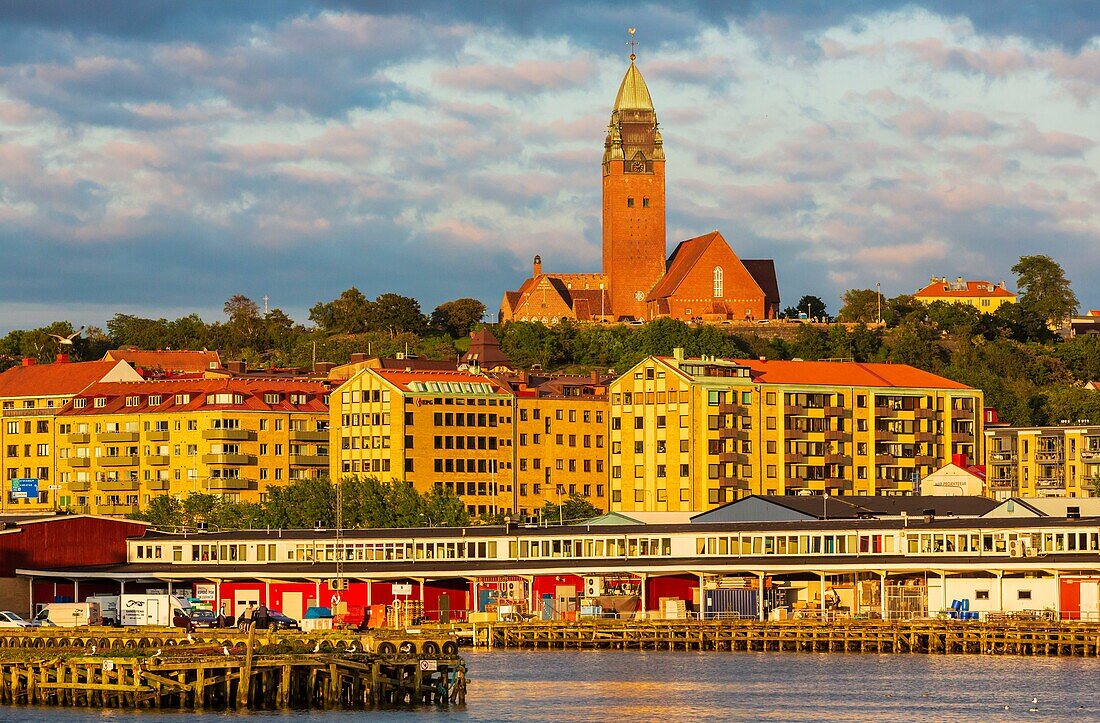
[633,198]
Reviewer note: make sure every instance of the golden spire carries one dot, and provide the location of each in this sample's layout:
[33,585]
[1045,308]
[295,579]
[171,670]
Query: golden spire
[632,31]
[633,93]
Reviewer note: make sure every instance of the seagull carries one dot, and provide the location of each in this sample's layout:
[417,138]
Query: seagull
[225,651]
[1034,701]
[1006,707]
[351,649]
[67,340]
[190,638]
[1032,709]
[317,648]
[157,654]
[93,650]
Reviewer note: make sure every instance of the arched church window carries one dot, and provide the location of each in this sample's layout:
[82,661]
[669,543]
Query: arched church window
[718,282]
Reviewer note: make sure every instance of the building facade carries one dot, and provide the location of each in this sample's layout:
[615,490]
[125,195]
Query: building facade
[120,444]
[703,279]
[690,434]
[984,296]
[1059,461]
[446,429]
[31,397]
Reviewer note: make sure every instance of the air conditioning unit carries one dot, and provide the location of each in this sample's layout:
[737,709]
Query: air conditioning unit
[511,590]
[1015,548]
[593,586]
[338,584]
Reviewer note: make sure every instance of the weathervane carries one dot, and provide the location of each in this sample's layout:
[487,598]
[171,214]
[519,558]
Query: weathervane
[632,31]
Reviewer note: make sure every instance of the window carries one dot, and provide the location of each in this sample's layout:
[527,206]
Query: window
[1023,595]
[981,594]
[645,203]
[630,202]
[718,282]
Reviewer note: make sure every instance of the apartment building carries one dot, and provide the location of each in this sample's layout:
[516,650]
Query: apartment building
[31,395]
[430,428]
[1062,461]
[120,444]
[561,432]
[689,434]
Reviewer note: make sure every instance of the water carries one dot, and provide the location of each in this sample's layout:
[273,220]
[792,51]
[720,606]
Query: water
[630,687]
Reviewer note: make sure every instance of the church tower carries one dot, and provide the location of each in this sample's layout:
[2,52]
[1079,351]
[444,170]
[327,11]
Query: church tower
[633,198]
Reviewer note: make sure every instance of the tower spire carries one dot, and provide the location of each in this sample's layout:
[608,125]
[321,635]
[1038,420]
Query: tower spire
[632,31]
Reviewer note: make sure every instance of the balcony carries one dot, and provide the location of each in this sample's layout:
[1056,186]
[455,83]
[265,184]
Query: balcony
[79,462]
[108,437]
[838,435]
[1005,456]
[120,461]
[837,459]
[731,409]
[158,460]
[923,413]
[885,459]
[80,486]
[924,437]
[1090,454]
[117,510]
[301,435]
[118,485]
[795,458]
[32,412]
[730,433]
[229,435]
[220,484]
[79,438]
[309,460]
[834,411]
[793,409]
[79,509]
[157,436]
[158,485]
[230,459]
[1050,456]
[926,460]
[1046,482]
[962,435]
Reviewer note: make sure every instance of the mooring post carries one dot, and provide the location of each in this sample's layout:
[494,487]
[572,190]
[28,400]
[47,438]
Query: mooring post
[244,685]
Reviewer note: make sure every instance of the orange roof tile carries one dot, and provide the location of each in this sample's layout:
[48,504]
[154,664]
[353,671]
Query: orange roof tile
[168,360]
[683,258]
[48,380]
[942,289]
[846,374]
[253,391]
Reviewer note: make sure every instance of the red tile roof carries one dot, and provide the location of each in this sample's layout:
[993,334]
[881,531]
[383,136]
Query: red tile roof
[683,258]
[48,380]
[169,360]
[404,378]
[846,374]
[951,289]
[253,391]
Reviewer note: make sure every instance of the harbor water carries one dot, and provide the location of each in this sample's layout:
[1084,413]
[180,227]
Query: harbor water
[630,687]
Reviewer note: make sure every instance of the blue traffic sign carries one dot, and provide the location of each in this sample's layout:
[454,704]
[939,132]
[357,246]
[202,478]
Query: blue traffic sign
[24,488]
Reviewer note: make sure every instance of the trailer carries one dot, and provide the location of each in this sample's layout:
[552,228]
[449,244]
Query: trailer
[162,610]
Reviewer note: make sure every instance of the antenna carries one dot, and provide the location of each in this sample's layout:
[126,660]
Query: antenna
[266,311]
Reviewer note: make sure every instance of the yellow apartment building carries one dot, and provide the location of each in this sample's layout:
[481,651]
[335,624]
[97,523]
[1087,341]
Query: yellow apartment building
[982,295]
[690,434]
[31,395]
[560,444]
[430,428]
[120,444]
[1062,461]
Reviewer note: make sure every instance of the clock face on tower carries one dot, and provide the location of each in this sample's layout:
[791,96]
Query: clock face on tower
[637,166]
[639,295]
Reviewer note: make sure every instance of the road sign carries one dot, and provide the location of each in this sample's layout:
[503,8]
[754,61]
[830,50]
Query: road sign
[428,665]
[24,488]
[54,488]
[402,588]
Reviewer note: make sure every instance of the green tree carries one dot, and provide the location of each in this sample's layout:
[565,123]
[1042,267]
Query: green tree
[395,314]
[1045,288]
[812,306]
[347,314]
[572,510]
[458,317]
[861,305]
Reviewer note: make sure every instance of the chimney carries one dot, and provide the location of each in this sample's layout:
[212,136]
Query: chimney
[678,353]
[29,361]
[594,376]
[523,377]
[960,459]
[536,267]
[236,367]
[357,358]
[323,367]
[929,516]
[62,359]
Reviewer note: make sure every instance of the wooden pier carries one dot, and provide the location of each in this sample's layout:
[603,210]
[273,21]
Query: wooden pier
[255,671]
[1033,638]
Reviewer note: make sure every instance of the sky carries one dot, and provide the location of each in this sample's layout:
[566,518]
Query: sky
[158,157]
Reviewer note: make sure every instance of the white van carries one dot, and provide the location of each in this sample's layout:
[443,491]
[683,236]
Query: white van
[163,610]
[108,608]
[70,615]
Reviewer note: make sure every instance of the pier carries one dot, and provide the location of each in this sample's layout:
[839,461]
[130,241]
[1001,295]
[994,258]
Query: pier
[950,637]
[106,668]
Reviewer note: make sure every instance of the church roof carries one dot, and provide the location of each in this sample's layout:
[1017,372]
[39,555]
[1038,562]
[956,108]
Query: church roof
[763,272]
[633,93]
[485,350]
[680,263]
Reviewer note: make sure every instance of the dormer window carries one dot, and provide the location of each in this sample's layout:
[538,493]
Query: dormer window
[99,402]
[133,401]
[80,403]
[299,398]
[273,398]
[155,400]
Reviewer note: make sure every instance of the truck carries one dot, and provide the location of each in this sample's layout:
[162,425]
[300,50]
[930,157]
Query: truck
[162,610]
[108,607]
[69,615]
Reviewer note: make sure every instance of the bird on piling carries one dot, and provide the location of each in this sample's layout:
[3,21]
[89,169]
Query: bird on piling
[317,647]
[225,651]
[351,649]
[1034,701]
[190,638]
[157,654]
[92,651]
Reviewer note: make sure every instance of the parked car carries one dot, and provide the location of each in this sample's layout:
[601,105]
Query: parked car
[8,619]
[278,621]
[204,618]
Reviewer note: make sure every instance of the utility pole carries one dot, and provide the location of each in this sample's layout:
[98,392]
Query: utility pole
[878,299]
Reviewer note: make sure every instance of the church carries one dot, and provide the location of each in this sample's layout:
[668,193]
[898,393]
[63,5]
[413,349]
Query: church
[702,280]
